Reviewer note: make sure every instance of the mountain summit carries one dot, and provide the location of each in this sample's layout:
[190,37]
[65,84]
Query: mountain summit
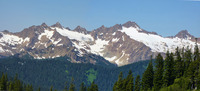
[184,34]
[119,44]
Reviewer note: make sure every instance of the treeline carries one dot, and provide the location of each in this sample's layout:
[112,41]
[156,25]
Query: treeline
[55,72]
[179,71]
[17,85]
[13,84]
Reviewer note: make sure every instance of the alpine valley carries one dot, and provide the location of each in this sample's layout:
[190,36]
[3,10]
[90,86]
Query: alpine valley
[120,44]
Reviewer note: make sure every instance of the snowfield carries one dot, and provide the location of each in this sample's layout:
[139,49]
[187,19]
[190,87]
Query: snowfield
[156,42]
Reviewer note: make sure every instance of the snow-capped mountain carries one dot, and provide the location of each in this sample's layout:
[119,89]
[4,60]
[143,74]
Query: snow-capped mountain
[119,44]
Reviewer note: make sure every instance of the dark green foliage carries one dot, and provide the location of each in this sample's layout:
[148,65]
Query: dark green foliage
[51,88]
[28,88]
[180,84]
[187,58]
[137,84]
[93,87]
[55,72]
[158,75]
[129,81]
[17,86]
[147,79]
[198,79]
[3,82]
[72,86]
[192,72]
[179,64]
[125,84]
[169,75]
[66,86]
[13,84]
[196,52]
[82,87]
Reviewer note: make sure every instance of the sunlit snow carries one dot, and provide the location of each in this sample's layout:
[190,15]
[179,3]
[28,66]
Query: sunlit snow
[46,33]
[10,39]
[99,46]
[74,35]
[156,42]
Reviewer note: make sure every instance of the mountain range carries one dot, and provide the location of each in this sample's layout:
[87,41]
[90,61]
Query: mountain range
[120,44]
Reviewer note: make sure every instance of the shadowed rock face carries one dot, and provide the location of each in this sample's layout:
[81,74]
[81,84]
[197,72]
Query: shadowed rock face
[184,35]
[81,30]
[109,43]
[57,25]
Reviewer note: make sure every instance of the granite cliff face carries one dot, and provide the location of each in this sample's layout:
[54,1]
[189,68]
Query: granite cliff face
[119,44]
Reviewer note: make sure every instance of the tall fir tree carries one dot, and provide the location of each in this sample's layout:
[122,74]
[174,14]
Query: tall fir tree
[82,87]
[10,87]
[147,78]
[158,75]
[72,86]
[137,83]
[196,51]
[168,77]
[66,86]
[3,82]
[179,64]
[93,87]
[17,86]
[187,59]
[129,81]
[51,88]
[119,85]
[191,73]
[28,88]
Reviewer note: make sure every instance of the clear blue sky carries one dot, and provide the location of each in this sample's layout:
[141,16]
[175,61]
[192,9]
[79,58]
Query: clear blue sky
[166,17]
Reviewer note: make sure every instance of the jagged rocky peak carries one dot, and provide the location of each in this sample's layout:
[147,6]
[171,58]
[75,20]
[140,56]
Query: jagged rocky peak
[44,25]
[130,24]
[102,27]
[67,28]
[57,25]
[81,30]
[117,26]
[184,34]
[5,31]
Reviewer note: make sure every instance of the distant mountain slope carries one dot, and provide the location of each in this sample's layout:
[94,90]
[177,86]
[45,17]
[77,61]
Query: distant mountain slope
[55,72]
[119,44]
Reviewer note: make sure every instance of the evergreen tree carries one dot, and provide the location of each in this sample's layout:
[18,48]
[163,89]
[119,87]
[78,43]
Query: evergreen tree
[158,75]
[72,86]
[28,88]
[168,77]
[51,88]
[196,51]
[83,87]
[10,87]
[198,79]
[93,87]
[66,86]
[129,81]
[179,64]
[147,78]
[187,58]
[3,82]
[191,73]
[115,87]
[137,83]
[17,84]
[120,82]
